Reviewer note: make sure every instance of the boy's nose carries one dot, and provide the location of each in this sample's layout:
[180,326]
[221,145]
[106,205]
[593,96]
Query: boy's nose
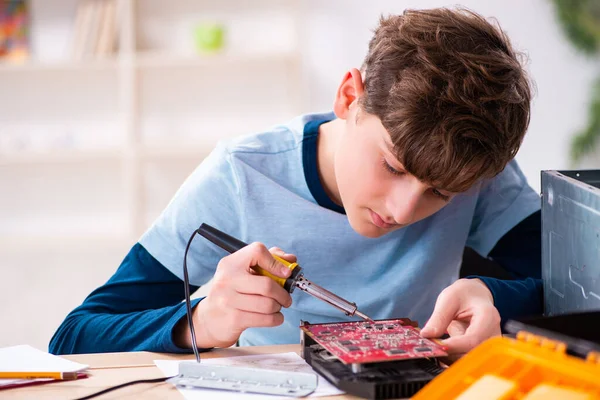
[404,207]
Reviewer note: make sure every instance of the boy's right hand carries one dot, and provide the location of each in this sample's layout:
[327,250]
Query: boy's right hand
[239,298]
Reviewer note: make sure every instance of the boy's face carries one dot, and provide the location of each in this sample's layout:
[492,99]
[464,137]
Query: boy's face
[378,195]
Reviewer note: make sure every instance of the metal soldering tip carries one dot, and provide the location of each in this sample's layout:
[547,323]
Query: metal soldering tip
[363,316]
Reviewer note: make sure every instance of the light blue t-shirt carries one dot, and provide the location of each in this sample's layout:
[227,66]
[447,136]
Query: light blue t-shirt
[254,188]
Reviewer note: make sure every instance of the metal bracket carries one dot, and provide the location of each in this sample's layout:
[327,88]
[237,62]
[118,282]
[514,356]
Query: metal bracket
[240,379]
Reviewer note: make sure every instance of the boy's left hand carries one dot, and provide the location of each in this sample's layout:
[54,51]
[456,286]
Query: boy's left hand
[466,311]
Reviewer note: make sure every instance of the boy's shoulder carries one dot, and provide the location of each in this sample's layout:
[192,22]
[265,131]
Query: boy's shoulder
[277,139]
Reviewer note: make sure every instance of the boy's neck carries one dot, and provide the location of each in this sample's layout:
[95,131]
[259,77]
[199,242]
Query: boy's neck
[327,140]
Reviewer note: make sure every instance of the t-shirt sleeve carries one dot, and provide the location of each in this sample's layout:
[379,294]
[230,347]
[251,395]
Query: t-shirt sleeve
[503,202]
[209,195]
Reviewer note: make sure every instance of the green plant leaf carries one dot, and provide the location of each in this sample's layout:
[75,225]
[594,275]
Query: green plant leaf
[585,141]
[580,19]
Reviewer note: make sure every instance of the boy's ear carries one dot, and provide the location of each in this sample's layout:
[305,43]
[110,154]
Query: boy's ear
[348,93]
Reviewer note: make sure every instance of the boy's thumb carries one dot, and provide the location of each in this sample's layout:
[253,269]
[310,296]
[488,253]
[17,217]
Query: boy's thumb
[443,314]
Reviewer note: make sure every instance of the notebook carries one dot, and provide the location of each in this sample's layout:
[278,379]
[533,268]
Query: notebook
[24,358]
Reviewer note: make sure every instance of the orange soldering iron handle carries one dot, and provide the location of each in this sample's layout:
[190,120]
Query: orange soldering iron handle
[231,245]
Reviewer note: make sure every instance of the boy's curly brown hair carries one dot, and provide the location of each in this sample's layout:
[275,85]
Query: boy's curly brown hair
[451,92]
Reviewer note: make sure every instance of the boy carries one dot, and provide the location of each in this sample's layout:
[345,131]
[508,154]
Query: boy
[377,200]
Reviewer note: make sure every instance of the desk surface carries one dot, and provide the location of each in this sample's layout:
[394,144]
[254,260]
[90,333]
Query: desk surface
[111,369]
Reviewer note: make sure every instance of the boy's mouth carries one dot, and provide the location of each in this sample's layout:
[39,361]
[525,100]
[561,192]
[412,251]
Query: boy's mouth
[379,222]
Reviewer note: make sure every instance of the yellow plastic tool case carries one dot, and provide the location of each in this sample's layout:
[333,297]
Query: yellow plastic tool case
[544,358]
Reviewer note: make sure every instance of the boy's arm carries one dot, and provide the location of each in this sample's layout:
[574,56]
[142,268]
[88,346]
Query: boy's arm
[136,310]
[516,298]
[520,253]
[471,310]
[507,228]
[140,305]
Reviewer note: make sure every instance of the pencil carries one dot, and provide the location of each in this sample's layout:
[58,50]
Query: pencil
[38,375]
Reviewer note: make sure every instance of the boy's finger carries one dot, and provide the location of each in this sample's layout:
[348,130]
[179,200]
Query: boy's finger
[263,286]
[477,332]
[446,308]
[280,253]
[256,254]
[461,344]
[251,319]
[277,251]
[254,303]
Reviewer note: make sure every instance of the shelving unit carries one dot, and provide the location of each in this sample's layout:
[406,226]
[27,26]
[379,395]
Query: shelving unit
[158,60]
[60,157]
[66,66]
[157,105]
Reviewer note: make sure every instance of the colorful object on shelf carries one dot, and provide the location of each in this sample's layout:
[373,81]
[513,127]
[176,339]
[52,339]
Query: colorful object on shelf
[209,37]
[13,30]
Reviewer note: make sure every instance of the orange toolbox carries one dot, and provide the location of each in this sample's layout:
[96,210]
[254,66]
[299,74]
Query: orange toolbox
[545,358]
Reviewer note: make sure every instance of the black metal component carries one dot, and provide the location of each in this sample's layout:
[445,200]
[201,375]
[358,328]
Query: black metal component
[386,380]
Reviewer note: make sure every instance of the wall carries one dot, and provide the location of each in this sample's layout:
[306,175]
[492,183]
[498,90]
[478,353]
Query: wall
[39,285]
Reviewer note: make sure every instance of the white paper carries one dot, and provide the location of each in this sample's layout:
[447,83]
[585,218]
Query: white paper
[24,358]
[281,361]
[19,382]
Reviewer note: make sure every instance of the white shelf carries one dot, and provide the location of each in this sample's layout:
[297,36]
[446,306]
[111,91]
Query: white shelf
[147,153]
[167,60]
[163,113]
[170,152]
[60,157]
[60,66]
[146,60]
[47,243]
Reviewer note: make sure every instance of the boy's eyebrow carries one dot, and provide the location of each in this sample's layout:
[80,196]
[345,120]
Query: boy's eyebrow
[389,146]
[391,149]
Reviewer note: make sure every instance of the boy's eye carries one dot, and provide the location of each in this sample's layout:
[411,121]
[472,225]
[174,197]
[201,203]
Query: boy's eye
[394,171]
[442,196]
[390,169]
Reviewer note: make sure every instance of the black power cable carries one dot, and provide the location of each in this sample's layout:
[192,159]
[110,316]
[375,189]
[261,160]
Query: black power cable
[122,385]
[188,305]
